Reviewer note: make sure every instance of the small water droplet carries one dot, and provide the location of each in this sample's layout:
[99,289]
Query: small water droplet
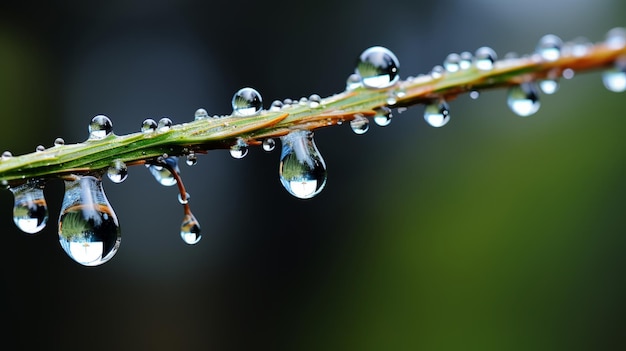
[353,82]
[302,169]
[466,60]
[451,63]
[549,86]
[164,124]
[485,58]
[191,159]
[437,114]
[383,116]
[149,125]
[276,105]
[360,124]
[186,200]
[117,171]
[577,47]
[239,150]
[314,101]
[303,101]
[247,102]
[200,114]
[616,38]
[88,228]
[269,144]
[190,229]
[568,73]
[59,142]
[549,47]
[474,94]
[30,211]
[100,127]
[162,175]
[614,79]
[523,99]
[6,155]
[378,67]
[40,148]
[287,101]
[436,72]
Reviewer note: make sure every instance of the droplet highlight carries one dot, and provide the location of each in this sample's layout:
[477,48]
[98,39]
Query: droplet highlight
[247,102]
[378,67]
[100,127]
[437,114]
[30,211]
[302,169]
[523,99]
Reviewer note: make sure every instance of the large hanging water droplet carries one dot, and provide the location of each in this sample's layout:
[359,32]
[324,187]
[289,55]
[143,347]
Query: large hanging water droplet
[437,114]
[383,116]
[88,228]
[302,168]
[360,124]
[100,127]
[614,79]
[247,102]
[378,67]
[117,171]
[523,99]
[485,58]
[30,211]
[162,174]
[190,229]
[549,47]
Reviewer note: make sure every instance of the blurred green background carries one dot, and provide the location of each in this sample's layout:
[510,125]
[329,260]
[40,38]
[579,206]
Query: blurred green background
[493,233]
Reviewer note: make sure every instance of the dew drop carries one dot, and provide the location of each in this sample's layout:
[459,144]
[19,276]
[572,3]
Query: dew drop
[59,142]
[247,102]
[437,114]
[6,155]
[186,200]
[276,105]
[162,175]
[353,82]
[451,63]
[568,73]
[549,86]
[302,169]
[200,114]
[614,79]
[315,101]
[523,99]
[436,72]
[30,211]
[100,127]
[190,229]
[485,58]
[149,125]
[269,144]
[360,125]
[549,47]
[383,116]
[239,150]
[466,60]
[117,171]
[616,38]
[378,67]
[164,124]
[474,94]
[191,159]
[40,148]
[88,228]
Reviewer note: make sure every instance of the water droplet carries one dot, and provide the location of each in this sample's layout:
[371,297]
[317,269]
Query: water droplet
[247,102]
[315,101]
[30,211]
[40,148]
[568,73]
[190,229]
[437,114]
[100,127]
[6,155]
[614,79]
[192,159]
[474,94]
[549,47]
[485,58]
[276,105]
[59,142]
[383,116]
[577,47]
[353,82]
[186,200]
[200,114]
[117,171]
[239,150]
[302,168]
[164,124]
[451,63]
[436,72]
[360,124]
[88,228]
[378,67]
[523,99]
[269,144]
[162,174]
[549,86]
[148,125]
[616,38]
[466,60]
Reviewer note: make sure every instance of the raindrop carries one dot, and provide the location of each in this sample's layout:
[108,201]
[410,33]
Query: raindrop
[549,86]
[360,124]
[616,38]
[88,228]
[247,102]
[117,171]
[162,174]
[100,127]
[148,125]
[485,58]
[383,116]
[614,79]
[302,168]
[451,63]
[549,47]
[200,114]
[30,211]
[59,142]
[164,124]
[466,60]
[378,67]
[191,159]
[523,99]
[269,144]
[276,105]
[437,114]
[6,155]
[239,150]
[40,148]
[353,82]
[190,229]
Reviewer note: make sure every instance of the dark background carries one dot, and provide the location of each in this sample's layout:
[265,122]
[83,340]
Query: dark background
[493,233]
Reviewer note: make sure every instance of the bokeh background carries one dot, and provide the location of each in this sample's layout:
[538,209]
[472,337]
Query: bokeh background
[493,233]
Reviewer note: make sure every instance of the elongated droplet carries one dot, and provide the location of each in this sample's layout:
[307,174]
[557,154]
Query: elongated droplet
[378,67]
[614,79]
[162,174]
[247,102]
[484,58]
[549,47]
[88,228]
[100,127]
[30,211]
[383,116]
[117,171]
[302,168]
[437,114]
[360,124]
[190,229]
[523,99]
